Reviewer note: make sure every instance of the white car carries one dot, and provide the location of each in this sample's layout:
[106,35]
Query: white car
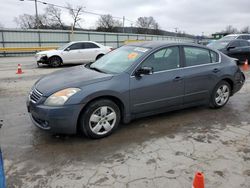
[237,36]
[73,52]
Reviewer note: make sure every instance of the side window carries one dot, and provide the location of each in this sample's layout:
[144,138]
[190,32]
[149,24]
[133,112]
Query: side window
[164,59]
[234,43]
[214,56]
[76,46]
[240,37]
[244,43]
[88,45]
[196,56]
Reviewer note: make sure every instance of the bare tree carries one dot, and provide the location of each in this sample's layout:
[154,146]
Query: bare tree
[54,16]
[107,23]
[27,21]
[147,22]
[230,29]
[75,13]
[245,29]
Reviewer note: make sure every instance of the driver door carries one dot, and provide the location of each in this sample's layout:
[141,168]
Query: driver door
[162,89]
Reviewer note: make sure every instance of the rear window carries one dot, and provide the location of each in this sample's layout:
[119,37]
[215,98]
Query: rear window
[196,56]
[199,56]
[90,45]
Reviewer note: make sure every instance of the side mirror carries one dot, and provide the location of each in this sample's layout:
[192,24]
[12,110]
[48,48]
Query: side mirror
[67,49]
[144,71]
[230,47]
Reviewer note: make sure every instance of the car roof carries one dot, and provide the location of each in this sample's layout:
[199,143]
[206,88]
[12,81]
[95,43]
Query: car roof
[157,44]
[82,41]
[221,40]
[236,35]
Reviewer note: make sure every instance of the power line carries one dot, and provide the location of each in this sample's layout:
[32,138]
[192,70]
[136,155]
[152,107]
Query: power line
[83,11]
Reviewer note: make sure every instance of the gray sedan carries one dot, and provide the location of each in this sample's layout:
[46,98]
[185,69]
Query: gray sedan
[132,81]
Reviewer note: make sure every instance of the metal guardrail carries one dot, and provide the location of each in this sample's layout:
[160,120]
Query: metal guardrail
[26,49]
[20,41]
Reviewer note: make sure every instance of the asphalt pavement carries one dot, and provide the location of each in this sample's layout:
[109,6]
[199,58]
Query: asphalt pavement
[158,151]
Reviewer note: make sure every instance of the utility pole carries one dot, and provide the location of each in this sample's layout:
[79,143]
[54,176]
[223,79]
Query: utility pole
[123,23]
[37,19]
[176,30]
[37,24]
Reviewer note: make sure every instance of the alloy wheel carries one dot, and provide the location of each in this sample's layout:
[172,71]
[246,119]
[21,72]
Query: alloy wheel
[222,95]
[102,120]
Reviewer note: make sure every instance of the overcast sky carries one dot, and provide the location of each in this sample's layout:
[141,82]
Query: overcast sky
[191,16]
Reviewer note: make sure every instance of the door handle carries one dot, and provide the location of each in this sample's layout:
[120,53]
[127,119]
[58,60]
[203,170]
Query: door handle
[216,70]
[177,78]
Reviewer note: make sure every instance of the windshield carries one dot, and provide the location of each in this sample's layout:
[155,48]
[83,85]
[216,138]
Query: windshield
[119,60]
[218,44]
[231,37]
[63,47]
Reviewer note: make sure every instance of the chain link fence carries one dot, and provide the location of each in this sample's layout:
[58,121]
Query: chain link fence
[20,39]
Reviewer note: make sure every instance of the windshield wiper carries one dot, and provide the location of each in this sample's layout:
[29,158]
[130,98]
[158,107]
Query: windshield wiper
[96,69]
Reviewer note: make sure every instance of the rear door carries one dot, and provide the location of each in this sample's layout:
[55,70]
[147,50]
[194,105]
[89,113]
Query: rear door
[90,52]
[164,88]
[73,53]
[201,73]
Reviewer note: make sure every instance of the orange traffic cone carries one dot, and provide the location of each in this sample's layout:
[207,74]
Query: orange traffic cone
[199,180]
[19,69]
[245,67]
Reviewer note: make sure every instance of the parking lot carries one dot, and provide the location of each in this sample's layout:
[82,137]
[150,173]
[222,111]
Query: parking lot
[158,151]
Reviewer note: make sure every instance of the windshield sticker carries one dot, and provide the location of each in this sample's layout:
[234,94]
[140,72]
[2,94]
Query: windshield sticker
[132,55]
[139,49]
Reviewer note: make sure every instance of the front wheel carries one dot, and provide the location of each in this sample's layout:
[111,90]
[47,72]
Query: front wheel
[100,118]
[55,61]
[220,95]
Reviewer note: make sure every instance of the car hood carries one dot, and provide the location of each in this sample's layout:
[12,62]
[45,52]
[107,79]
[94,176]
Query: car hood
[47,52]
[77,77]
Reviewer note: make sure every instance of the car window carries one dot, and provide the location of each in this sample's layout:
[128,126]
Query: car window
[196,56]
[164,59]
[90,45]
[240,37]
[214,56]
[76,46]
[120,59]
[234,43]
[244,43]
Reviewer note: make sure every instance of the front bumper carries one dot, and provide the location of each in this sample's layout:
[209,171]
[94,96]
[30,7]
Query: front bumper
[62,120]
[42,59]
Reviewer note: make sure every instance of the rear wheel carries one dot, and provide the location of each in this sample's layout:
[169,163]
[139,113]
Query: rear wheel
[99,56]
[220,95]
[55,61]
[100,118]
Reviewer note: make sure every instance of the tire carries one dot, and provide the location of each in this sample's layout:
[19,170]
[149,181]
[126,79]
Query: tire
[97,122]
[99,56]
[220,95]
[55,61]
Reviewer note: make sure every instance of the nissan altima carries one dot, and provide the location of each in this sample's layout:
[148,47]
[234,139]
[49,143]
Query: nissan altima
[133,81]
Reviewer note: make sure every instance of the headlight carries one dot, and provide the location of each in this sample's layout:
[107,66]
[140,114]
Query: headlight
[60,97]
[40,55]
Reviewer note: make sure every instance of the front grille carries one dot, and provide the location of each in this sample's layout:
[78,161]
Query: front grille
[35,96]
